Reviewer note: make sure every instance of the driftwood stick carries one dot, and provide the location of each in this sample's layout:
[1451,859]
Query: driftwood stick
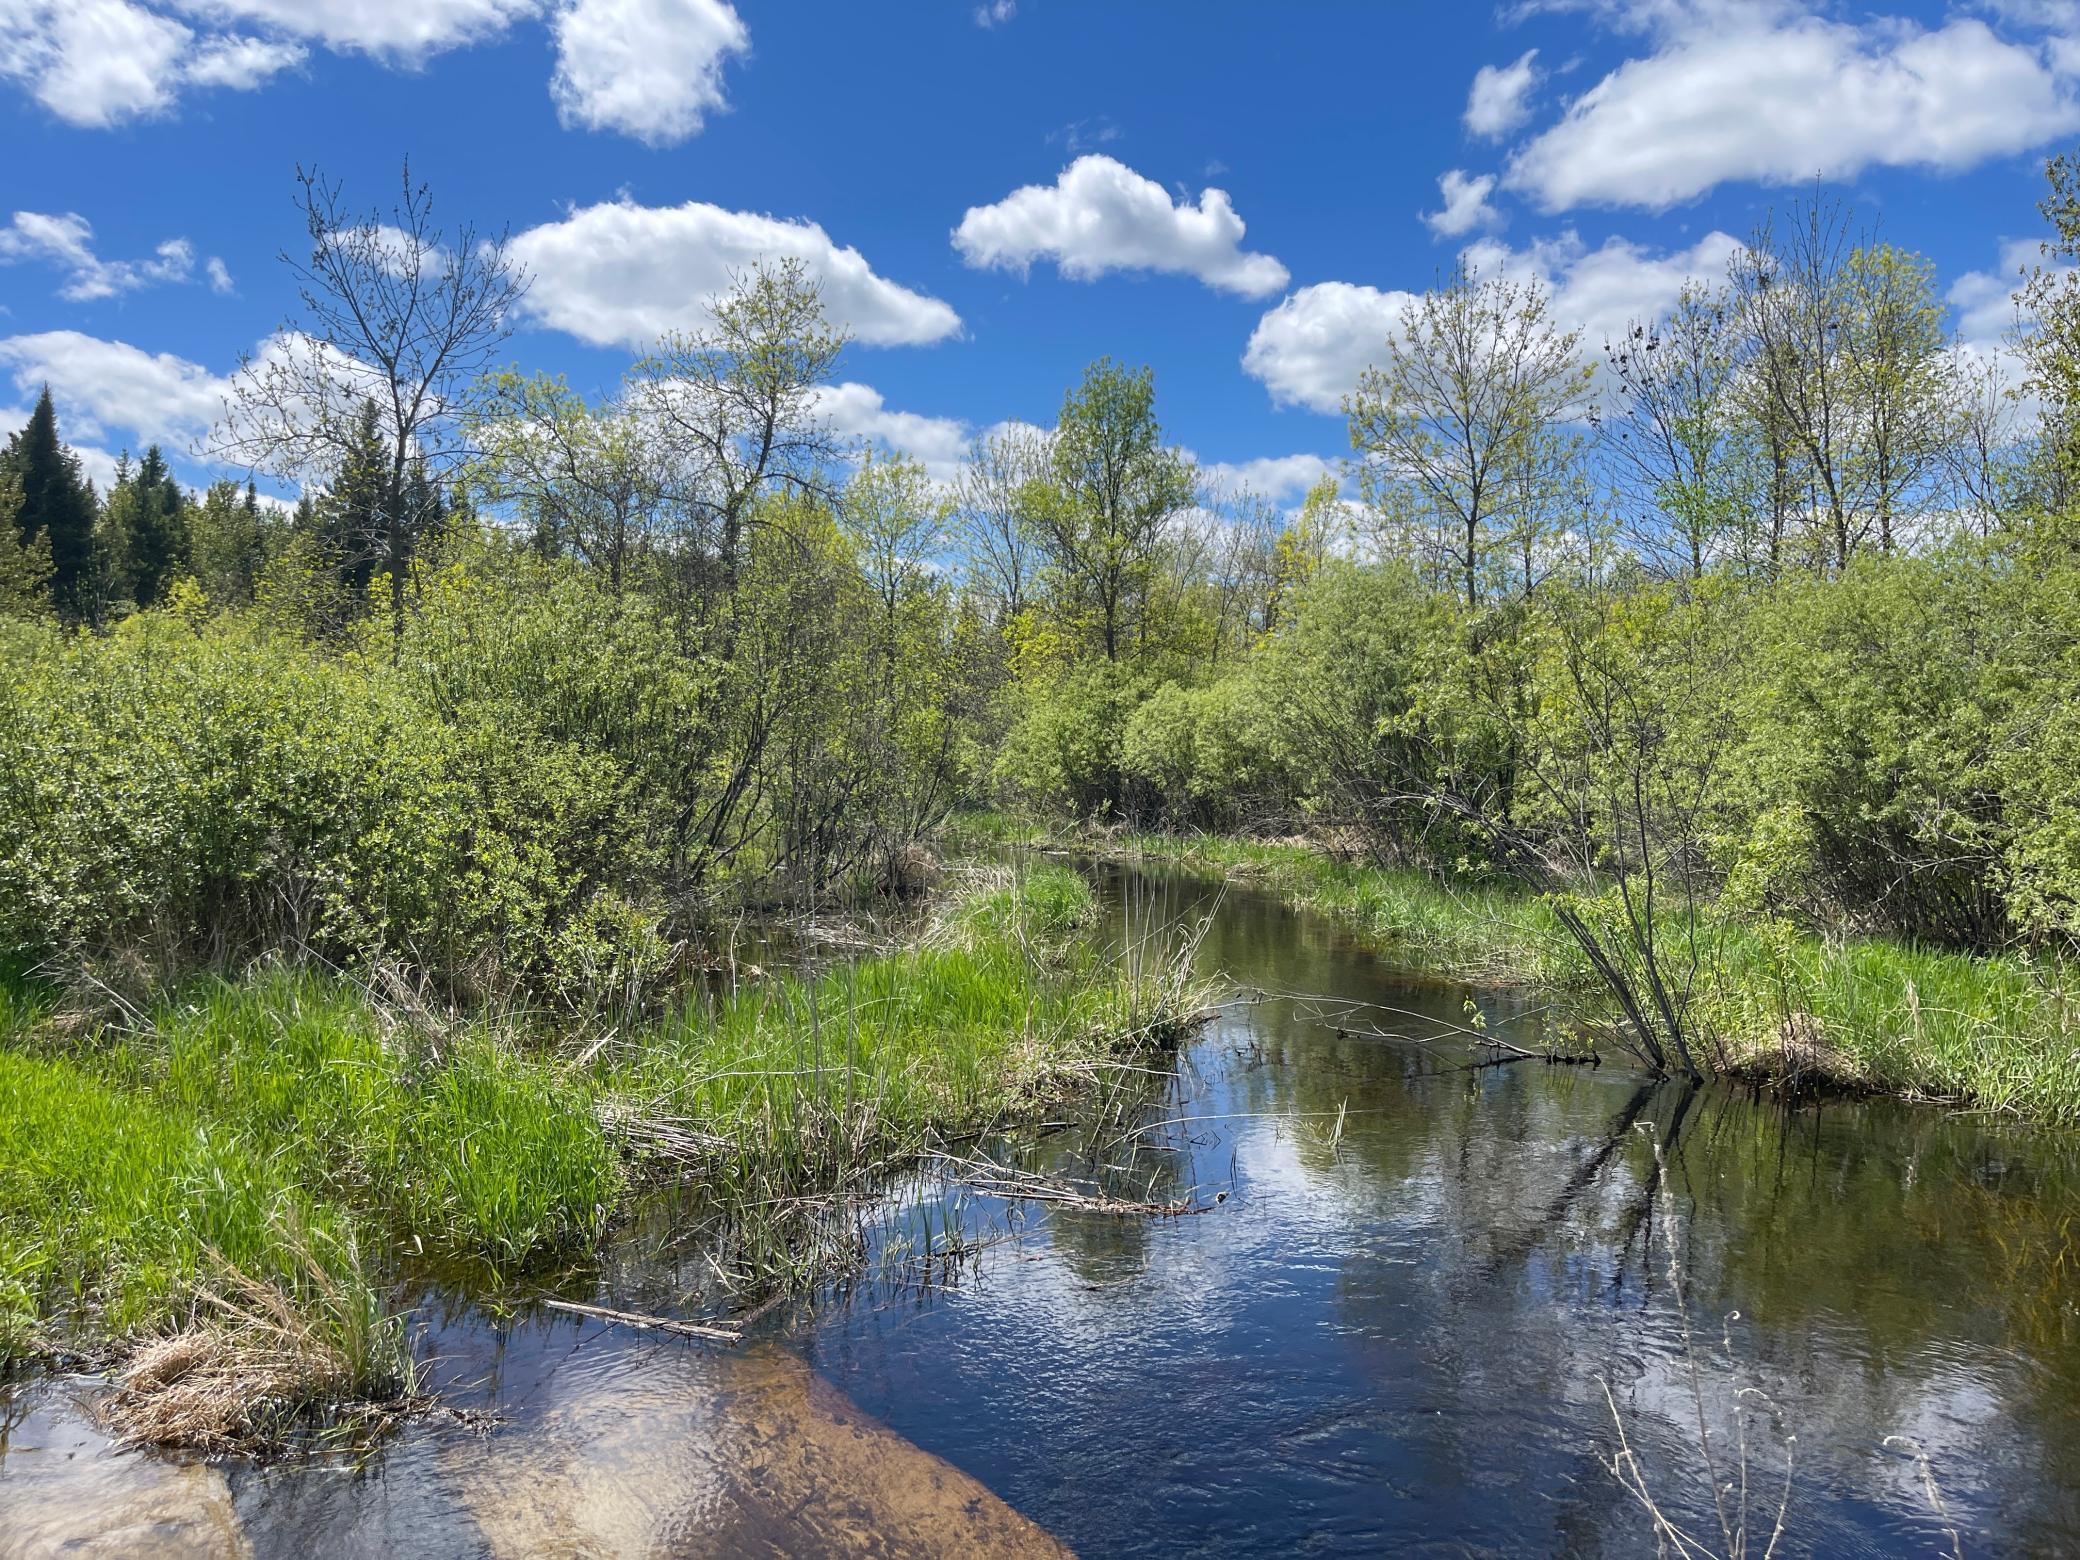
[654,1323]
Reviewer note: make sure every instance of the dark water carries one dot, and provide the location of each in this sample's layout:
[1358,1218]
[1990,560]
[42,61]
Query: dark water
[1396,1332]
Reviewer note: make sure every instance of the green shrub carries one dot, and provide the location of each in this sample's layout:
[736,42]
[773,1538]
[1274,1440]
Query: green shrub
[203,789]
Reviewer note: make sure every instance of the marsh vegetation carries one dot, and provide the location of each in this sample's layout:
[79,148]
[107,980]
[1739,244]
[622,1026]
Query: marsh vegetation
[550,804]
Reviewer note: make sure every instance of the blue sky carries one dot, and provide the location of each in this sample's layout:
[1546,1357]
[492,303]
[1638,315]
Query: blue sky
[1235,194]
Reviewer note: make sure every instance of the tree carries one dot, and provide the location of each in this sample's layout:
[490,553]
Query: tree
[1001,486]
[146,517]
[896,519]
[737,407]
[1117,491]
[1906,389]
[1682,454]
[56,510]
[897,522]
[1302,546]
[354,512]
[400,320]
[594,482]
[1859,401]
[1462,432]
[2050,296]
[1238,566]
[1623,764]
[25,566]
[232,542]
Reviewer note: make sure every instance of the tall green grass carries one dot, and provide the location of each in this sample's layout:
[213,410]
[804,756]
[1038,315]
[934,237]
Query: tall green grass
[1997,1032]
[459,1141]
[240,1126]
[115,1208]
[998,1006]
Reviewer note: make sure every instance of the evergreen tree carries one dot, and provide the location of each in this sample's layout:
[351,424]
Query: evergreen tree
[157,547]
[25,567]
[57,509]
[111,557]
[231,542]
[353,517]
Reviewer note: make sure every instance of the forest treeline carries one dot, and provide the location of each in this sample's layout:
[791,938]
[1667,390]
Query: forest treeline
[1766,610]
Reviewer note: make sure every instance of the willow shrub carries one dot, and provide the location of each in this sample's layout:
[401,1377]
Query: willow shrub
[201,789]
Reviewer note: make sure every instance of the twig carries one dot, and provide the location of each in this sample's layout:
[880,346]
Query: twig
[654,1323]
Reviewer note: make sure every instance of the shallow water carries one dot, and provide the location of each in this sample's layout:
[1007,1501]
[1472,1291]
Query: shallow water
[1395,1331]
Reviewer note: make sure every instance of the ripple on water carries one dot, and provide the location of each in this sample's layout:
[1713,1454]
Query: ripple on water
[66,1490]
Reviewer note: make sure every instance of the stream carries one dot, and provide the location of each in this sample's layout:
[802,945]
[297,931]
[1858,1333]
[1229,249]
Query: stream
[1408,1295]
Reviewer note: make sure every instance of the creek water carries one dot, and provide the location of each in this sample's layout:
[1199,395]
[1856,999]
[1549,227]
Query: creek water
[1418,1290]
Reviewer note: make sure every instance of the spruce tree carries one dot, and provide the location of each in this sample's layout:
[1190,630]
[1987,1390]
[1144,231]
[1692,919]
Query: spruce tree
[25,567]
[157,548]
[229,539]
[354,516]
[57,508]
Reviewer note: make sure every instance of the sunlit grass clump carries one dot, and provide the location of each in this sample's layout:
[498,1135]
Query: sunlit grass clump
[234,1177]
[997,1008]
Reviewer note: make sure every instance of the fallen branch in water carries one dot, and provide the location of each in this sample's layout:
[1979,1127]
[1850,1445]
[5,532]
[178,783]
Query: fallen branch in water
[1516,1053]
[653,1323]
[1024,1186]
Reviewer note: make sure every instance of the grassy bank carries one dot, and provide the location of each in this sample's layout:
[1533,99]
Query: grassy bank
[1993,1032]
[285,1135]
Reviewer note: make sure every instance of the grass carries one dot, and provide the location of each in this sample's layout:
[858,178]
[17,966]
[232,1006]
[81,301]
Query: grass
[1996,1032]
[202,1179]
[825,1083]
[265,1360]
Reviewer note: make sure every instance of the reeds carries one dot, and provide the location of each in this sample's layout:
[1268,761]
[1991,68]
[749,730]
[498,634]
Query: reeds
[262,1361]
[796,1095]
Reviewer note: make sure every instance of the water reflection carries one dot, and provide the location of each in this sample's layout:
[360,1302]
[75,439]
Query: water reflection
[1395,1333]
[1398,1333]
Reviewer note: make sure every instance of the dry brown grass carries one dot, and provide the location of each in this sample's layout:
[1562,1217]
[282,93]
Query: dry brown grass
[263,1362]
[1799,1057]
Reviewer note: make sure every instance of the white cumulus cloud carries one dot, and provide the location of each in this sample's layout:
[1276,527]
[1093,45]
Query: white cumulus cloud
[1311,348]
[97,63]
[1987,315]
[1283,479]
[1765,94]
[648,68]
[240,63]
[620,274]
[1501,97]
[92,62]
[1465,204]
[1102,216]
[110,391]
[651,69]
[1601,291]
[405,32]
[65,240]
[857,411]
[1982,303]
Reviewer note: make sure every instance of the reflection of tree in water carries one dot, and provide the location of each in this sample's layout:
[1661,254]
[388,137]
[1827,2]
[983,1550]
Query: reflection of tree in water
[1495,1241]
[1889,1266]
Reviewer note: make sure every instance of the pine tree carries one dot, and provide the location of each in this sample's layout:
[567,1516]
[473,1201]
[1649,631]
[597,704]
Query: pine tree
[57,508]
